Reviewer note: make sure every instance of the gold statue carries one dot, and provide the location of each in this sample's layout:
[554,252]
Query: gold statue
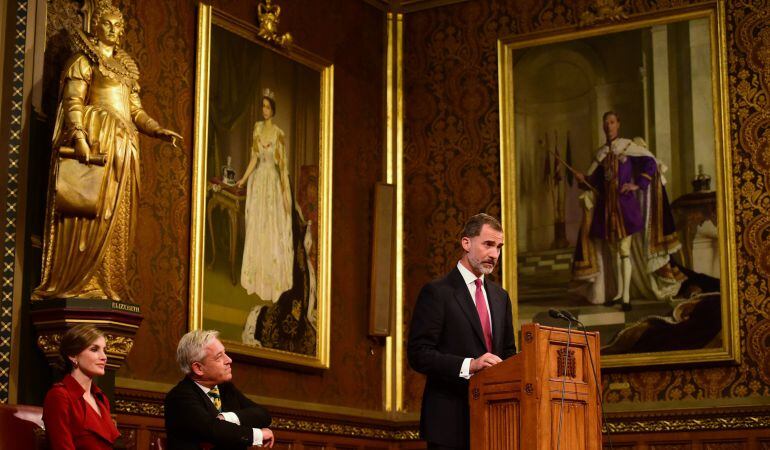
[94,181]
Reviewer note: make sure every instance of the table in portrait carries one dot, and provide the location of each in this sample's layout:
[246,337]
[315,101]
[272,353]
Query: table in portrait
[261,203]
[664,78]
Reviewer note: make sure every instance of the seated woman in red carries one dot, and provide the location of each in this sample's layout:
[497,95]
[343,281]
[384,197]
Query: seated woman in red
[76,413]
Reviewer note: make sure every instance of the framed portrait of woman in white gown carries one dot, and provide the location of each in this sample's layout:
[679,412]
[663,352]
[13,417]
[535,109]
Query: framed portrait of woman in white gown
[260,259]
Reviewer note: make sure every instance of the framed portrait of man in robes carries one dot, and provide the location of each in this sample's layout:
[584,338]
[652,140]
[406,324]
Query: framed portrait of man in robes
[260,262]
[616,182]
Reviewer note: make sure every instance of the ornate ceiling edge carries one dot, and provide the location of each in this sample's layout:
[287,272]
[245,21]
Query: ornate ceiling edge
[407,6]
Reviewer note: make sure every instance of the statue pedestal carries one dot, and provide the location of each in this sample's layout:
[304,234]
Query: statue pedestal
[118,321]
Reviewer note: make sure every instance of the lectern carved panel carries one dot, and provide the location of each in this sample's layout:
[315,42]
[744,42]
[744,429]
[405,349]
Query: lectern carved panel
[568,425]
[504,425]
[565,364]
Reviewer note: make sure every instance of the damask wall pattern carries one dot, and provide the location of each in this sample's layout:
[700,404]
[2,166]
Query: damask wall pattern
[161,36]
[452,167]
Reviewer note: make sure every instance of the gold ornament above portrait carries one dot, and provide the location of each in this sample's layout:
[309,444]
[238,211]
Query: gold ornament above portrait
[269,16]
[602,11]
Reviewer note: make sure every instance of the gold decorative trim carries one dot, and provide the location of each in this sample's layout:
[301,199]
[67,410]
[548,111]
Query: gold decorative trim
[394,148]
[602,11]
[49,343]
[689,424]
[399,180]
[118,347]
[139,407]
[345,430]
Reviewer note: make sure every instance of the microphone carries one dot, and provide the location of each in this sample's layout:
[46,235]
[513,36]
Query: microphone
[562,314]
[556,314]
[569,316]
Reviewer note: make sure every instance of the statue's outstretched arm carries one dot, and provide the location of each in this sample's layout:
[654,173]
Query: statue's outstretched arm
[148,125]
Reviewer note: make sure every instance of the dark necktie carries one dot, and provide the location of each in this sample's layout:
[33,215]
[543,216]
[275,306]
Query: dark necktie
[481,308]
[214,394]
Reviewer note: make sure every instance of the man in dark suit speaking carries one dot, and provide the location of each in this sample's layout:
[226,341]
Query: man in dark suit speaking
[205,407]
[461,324]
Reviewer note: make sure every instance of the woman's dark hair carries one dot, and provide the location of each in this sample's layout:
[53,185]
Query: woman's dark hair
[272,103]
[74,341]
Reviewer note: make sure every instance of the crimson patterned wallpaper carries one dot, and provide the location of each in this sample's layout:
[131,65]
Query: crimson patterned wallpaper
[161,36]
[452,166]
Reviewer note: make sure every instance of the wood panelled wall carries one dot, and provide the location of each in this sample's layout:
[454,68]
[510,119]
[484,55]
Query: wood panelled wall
[161,36]
[452,169]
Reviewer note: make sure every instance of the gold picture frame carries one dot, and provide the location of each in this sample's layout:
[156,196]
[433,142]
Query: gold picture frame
[536,117]
[269,107]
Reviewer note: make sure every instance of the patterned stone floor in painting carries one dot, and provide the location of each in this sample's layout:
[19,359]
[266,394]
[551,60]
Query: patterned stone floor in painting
[544,282]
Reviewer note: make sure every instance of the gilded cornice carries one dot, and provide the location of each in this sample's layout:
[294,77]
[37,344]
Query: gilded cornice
[689,424]
[406,6]
[722,419]
[362,431]
[138,407]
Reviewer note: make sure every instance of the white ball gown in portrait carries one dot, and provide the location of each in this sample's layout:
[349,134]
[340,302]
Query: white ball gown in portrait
[268,254]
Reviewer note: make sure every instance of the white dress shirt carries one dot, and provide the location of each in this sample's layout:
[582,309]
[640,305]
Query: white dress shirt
[470,283]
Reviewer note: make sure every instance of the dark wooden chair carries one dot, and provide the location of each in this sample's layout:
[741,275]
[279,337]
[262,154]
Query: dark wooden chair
[159,443]
[21,428]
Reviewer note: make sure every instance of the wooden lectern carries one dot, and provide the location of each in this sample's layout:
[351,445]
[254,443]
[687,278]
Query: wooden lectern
[517,404]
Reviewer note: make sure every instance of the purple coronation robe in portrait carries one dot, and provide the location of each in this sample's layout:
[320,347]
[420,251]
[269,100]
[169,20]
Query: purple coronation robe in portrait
[615,216]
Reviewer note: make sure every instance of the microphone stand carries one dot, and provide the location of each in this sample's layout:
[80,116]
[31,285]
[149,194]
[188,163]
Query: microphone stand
[563,382]
[566,315]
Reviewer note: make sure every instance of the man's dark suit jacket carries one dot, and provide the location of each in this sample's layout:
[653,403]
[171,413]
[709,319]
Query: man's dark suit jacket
[191,418]
[445,330]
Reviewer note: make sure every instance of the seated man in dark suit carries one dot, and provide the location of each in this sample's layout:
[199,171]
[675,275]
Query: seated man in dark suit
[205,407]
